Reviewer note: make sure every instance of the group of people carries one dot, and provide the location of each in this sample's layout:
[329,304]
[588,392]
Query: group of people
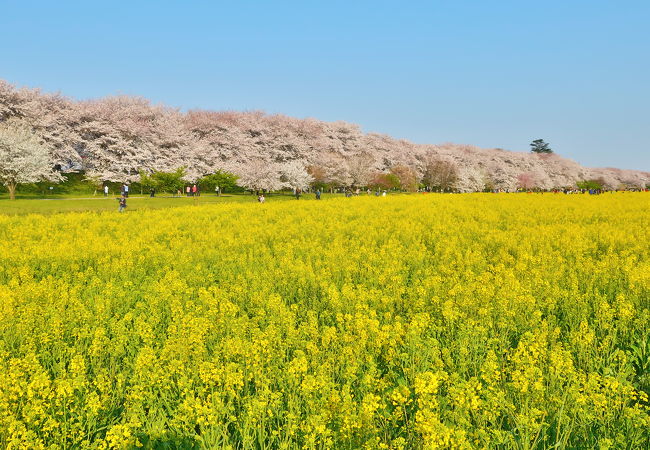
[192,191]
[124,194]
[357,192]
[298,192]
[124,190]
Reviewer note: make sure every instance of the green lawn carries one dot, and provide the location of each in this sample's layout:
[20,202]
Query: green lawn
[135,202]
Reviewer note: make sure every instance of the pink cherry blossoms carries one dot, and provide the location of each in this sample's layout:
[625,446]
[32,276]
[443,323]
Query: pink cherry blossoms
[114,138]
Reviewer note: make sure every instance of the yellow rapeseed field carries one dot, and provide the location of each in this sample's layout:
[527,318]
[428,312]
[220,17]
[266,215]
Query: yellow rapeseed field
[422,321]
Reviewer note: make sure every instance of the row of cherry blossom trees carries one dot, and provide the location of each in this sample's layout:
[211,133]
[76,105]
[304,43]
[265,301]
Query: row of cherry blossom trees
[115,138]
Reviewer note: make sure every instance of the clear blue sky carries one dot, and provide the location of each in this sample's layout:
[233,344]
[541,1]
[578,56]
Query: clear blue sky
[488,73]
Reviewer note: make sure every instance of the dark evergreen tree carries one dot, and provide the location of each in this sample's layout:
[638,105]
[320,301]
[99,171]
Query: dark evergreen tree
[539,146]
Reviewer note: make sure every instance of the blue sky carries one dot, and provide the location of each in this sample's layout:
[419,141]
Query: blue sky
[488,73]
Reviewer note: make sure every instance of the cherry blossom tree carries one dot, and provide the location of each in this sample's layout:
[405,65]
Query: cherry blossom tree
[334,169]
[295,176]
[259,175]
[360,169]
[23,157]
[119,136]
[49,115]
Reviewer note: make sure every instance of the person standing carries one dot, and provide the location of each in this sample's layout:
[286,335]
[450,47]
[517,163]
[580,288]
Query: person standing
[105,190]
[126,190]
[318,194]
[194,190]
[187,190]
[152,192]
[122,201]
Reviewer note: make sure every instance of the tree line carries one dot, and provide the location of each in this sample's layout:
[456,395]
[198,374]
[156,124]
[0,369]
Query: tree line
[119,139]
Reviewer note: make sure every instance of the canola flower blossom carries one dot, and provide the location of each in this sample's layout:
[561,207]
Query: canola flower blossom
[422,321]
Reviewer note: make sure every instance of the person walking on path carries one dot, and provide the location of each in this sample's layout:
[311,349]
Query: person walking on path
[193,190]
[106,190]
[318,194]
[187,190]
[122,201]
[126,190]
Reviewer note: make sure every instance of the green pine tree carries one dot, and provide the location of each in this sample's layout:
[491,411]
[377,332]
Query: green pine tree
[539,146]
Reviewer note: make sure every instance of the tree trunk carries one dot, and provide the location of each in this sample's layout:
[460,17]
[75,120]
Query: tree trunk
[12,190]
